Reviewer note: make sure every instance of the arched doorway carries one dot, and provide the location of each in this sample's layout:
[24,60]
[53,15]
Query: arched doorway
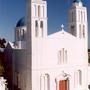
[62,81]
[63,84]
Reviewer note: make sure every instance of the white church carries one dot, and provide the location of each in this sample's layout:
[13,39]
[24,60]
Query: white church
[58,61]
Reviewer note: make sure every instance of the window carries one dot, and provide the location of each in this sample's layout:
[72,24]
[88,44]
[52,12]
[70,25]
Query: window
[83,31]
[18,79]
[62,56]
[65,55]
[44,82]
[17,34]
[38,11]
[23,35]
[89,86]
[20,32]
[81,16]
[35,9]
[59,60]
[80,32]
[78,78]
[72,16]
[43,10]
[72,30]
[84,16]
[36,28]
[36,23]
[15,78]
[41,26]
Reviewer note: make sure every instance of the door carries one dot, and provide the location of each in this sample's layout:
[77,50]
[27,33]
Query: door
[63,85]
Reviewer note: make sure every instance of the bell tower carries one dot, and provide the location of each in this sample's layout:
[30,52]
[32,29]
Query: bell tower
[78,25]
[38,15]
[36,34]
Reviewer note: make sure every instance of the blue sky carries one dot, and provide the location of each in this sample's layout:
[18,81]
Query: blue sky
[12,10]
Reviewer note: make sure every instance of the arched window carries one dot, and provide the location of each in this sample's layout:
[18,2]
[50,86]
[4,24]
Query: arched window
[83,31]
[80,32]
[84,16]
[65,56]
[17,35]
[43,10]
[20,34]
[72,16]
[41,26]
[59,57]
[78,78]
[23,35]
[44,82]
[39,11]
[36,28]
[72,30]
[62,56]
[35,10]
[18,79]
[81,16]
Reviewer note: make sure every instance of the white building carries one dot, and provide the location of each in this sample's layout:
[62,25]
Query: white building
[51,62]
[3,84]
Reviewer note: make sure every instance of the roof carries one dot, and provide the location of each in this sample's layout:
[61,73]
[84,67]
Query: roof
[21,22]
[60,34]
[10,45]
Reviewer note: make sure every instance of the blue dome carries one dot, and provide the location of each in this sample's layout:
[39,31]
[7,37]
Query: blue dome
[21,22]
[77,1]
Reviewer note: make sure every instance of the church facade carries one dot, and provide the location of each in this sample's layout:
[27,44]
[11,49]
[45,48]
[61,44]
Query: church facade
[58,61]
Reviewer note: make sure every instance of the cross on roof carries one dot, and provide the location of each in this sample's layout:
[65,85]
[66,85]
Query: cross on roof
[62,27]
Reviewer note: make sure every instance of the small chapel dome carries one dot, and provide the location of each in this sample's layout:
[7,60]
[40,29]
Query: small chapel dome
[21,22]
[77,1]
